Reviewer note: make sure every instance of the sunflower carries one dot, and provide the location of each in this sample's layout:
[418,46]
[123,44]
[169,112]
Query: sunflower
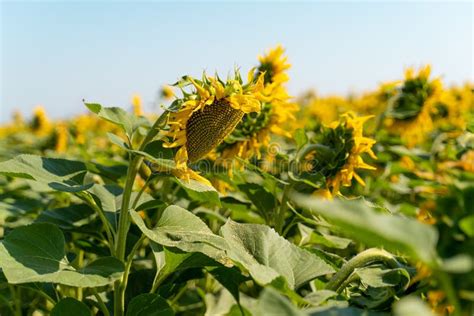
[375,102]
[137,105]
[410,110]
[207,115]
[325,110]
[40,124]
[166,92]
[338,154]
[61,137]
[451,111]
[255,130]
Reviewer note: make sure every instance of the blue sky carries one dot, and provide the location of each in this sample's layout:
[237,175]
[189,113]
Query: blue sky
[57,53]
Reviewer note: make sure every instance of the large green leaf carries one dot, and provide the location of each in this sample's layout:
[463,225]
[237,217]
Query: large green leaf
[118,116]
[264,201]
[275,304]
[181,229]
[267,255]
[36,253]
[357,220]
[56,174]
[411,306]
[199,191]
[71,307]
[149,305]
[74,217]
[170,260]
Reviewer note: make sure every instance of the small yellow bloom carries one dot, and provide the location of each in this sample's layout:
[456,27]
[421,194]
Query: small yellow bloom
[137,105]
[167,92]
[40,125]
[61,137]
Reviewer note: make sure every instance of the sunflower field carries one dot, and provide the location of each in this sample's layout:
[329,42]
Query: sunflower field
[239,199]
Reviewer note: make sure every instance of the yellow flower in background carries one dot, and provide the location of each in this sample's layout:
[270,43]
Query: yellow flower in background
[167,92]
[207,115]
[409,114]
[361,145]
[274,65]
[14,127]
[137,105]
[325,109]
[374,102]
[40,124]
[335,154]
[18,118]
[452,109]
[61,135]
[466,162]
[255,130]
[425,213]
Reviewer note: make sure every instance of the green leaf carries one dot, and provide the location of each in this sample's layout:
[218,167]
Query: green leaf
[118,116]
[461,263]
[57,174]
[264,201]
[300,138]
[319,297]
[273,303]
[199,191]
[311,236]
[181,229]
[378,277]
[230,278]
[149,305]
[170,260]
[118,141]
[411,306]
[73,217]
[70,306]
[267,256]
[357,220]
[467,225]
[36,253]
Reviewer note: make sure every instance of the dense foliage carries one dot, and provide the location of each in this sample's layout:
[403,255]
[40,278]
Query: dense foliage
[238,199]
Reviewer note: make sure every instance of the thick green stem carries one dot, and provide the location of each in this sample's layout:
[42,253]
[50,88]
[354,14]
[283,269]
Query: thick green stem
[124,217]
[448,288]
[16,299]
[280,218]
[103,308]
[128,265]
[362,259]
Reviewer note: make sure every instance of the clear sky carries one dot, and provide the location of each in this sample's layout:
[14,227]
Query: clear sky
[57,53]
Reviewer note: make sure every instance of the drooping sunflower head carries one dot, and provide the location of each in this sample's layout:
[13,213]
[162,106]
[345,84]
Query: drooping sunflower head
[409,113]
[337,153]
[208,114]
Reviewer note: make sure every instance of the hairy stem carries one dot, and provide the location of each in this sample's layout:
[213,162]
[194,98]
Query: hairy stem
[124,217]
[362,259]
[280,218]
[448,288]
